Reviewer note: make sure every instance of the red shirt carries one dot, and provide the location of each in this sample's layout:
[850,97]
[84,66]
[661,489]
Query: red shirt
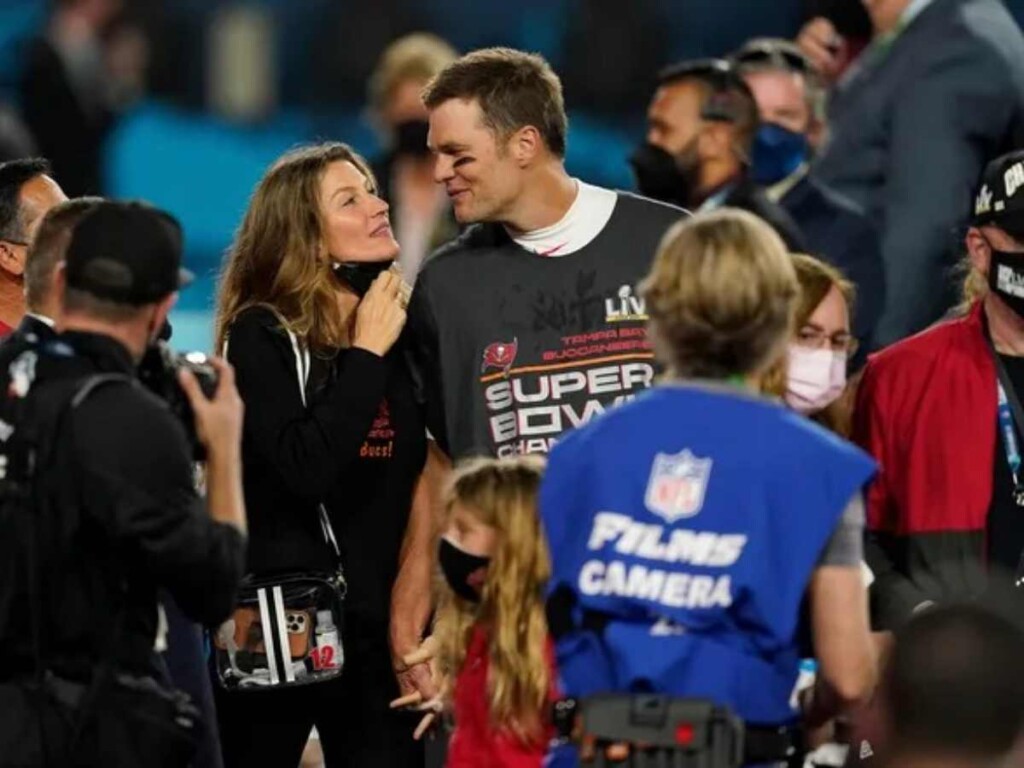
[5,329]
[476,742]
[926,411]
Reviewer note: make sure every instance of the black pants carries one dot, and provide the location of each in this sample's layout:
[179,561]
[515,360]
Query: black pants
[357,729]
[186,664]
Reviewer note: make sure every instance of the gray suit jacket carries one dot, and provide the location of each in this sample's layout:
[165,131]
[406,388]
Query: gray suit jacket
[910,136]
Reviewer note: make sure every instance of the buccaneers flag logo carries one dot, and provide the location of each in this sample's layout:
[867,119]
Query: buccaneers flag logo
[500,355]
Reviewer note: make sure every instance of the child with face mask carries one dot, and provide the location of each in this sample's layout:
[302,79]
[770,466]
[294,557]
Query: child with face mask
[490,641]
[813,379]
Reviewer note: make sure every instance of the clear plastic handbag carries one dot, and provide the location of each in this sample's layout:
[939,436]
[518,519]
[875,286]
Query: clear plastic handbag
[283,632]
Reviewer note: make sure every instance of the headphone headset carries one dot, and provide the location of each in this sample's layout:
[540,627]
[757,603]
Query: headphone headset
[727,87]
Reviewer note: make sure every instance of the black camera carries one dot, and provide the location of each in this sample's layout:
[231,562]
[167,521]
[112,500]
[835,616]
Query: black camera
[158,371]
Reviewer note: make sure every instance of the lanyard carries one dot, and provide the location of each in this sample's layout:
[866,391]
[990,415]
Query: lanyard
[1012,453]
[1009,434]
[1010,410]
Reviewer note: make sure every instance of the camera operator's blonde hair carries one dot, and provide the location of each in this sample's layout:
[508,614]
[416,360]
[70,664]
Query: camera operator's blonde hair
[721,296]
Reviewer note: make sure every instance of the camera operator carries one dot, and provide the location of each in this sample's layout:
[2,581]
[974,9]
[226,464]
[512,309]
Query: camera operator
[114,514]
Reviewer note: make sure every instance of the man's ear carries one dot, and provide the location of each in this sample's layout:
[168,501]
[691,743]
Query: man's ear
[12,259]
[525,144]
[164,308]
[979,250]
[715,141]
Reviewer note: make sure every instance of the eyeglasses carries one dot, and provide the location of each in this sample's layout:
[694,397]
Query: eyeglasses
[815,338]
[14,242]
[775,55]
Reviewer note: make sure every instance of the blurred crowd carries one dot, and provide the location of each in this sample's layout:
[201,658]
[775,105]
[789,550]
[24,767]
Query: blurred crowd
[494,459]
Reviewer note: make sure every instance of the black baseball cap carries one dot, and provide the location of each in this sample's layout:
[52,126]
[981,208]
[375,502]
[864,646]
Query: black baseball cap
[999,199]
[127,252]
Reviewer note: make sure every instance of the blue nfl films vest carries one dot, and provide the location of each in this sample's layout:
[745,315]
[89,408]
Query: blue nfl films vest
[692,518]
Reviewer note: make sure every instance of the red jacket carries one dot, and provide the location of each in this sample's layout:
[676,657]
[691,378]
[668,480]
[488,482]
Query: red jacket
[475,742]
[926,411]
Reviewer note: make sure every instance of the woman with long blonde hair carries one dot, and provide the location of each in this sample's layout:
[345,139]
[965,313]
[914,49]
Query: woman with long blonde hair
[491,629]
[311,318]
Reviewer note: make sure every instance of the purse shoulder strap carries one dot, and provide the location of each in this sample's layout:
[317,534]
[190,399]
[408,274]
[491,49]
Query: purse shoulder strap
[302,366]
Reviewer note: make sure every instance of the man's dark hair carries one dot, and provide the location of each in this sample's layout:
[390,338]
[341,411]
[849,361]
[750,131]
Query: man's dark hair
[514,89]
[49,246]
[725,96]
[954,686]
[13,175]
[83,302]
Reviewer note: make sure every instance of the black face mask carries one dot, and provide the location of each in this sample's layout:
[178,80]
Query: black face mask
[359,275]
[663,177]
[465,573]
[1006,279]
[411,138]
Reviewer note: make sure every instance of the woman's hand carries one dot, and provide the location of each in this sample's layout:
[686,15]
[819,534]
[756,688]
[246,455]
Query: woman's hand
[380,316]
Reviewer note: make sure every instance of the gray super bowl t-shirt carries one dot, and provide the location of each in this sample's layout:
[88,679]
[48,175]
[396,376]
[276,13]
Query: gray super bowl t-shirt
[511,349]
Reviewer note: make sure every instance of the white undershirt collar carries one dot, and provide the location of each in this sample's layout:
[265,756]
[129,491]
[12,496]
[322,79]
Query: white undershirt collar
[42,319]
[586,217]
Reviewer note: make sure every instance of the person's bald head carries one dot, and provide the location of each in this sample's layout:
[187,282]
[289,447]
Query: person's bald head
[26,194]
[48,250]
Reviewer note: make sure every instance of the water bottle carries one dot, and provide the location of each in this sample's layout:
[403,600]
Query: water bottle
[329,654]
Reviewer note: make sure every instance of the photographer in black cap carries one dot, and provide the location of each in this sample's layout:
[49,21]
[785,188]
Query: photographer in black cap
[103,512]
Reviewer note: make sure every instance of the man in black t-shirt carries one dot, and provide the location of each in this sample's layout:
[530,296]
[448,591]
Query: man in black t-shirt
[529,324]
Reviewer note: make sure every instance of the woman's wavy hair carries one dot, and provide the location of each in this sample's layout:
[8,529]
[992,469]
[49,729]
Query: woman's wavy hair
[816,279]
[502,493]
[278,259]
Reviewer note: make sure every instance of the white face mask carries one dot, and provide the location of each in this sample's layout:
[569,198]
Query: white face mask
[816,378]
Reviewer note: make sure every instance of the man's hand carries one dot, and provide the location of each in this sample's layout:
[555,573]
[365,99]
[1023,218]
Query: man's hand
[419,681]
[218,420]
[824,46]
[219,429]
[416,683]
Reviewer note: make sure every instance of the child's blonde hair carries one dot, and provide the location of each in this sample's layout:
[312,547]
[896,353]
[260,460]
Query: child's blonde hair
[502,493]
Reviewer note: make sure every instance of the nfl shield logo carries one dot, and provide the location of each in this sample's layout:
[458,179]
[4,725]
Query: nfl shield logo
[676,488]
